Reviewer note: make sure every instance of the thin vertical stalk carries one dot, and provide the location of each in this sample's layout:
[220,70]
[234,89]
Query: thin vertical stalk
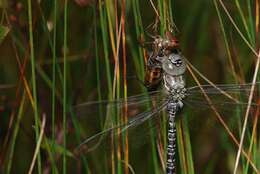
[253,140]
[251,23]
[188,147]
[184,146]
[54,79]
[126,152]
[104,36]
[237,28]
[96,55]
[160,7]
[97,61]
[37,149]
[257,20]
[243,19]
[181,148]
[247,113]
[104,30]
[15,133]
[117,82]
[110,26]
[165,14]
[33,67]
[65,84]
[170,14]
[226,41]
[139,63]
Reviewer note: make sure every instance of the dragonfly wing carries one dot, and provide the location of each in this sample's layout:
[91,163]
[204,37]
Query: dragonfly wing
[100,120]
[208,107]
[222,94]
[231,89]
[224,98]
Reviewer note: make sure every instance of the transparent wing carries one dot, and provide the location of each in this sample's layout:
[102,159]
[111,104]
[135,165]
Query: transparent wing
[230,100]
[226,96]
[222,88]
[100,120]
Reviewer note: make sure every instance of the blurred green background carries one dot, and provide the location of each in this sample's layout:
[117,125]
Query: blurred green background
[57,54]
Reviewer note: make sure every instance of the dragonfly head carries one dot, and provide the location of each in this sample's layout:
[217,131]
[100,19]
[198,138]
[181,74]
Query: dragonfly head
[173,64]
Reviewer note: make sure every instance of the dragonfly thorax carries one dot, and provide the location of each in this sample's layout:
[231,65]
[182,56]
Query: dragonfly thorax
[177,95]
[174,68]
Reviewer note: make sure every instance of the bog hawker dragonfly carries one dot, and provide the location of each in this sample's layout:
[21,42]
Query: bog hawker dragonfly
[165,65]
[172,98]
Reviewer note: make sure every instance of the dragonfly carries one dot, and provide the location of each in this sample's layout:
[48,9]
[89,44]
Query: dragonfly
[172,98]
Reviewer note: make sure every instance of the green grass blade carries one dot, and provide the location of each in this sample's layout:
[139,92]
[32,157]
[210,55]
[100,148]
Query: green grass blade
[54,78]
[14,136]
[65,85]
[34,87]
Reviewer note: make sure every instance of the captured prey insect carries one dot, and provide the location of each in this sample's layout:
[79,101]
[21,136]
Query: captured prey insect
[172,98]
[162,46]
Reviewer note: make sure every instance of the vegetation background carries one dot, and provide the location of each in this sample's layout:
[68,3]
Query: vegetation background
[55,54]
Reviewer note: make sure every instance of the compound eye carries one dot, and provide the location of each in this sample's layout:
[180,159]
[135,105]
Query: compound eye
[176,62]
[175,65]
